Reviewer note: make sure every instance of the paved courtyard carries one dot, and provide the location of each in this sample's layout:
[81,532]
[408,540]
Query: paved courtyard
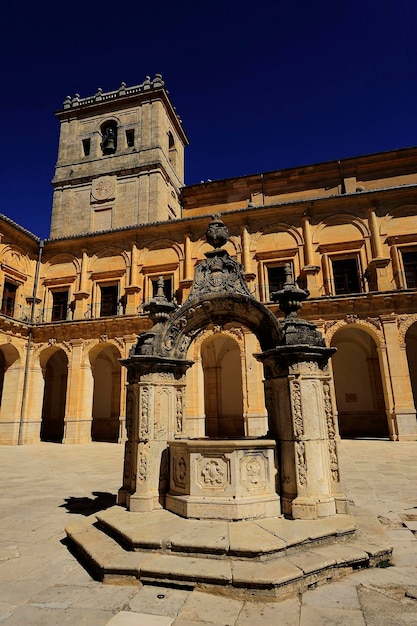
[45,487]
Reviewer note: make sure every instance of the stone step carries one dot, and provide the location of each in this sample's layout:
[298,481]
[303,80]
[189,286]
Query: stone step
[166,531]
[276,573]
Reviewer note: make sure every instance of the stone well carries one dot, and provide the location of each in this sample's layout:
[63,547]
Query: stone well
[223,479]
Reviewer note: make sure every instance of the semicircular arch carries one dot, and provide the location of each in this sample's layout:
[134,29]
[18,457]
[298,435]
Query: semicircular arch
[364,325]
[11,354]
[327,230]
[218,309]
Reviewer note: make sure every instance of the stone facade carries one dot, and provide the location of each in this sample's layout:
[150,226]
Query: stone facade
[72,306]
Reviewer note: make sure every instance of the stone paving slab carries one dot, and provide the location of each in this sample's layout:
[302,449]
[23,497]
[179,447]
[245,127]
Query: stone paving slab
[124,618]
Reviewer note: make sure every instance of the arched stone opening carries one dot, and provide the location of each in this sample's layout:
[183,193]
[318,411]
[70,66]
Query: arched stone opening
[223,397]
[358,385]
[411,349]
[11,373]
[106,393]
[9,357]
[54,396]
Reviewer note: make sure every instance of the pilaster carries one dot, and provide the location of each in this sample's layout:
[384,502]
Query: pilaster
[403,409]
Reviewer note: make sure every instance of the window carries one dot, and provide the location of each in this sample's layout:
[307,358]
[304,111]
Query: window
[410,268]
[109,137]
[276,279]
[109,300]
[59,305]
[86,146]
[172,151]
[9,298]
[167,287]
[345,276]
[130,138]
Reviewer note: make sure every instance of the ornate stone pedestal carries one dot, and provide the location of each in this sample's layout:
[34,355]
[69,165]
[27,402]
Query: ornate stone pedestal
[223,479]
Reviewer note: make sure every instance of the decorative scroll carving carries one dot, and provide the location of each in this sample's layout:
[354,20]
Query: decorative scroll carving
[371,325]
[144,414]
[218,272]
[404,322]
[331,432]
[142,467]
[179,396]
[301,462]
[334,465]
[328,409]
[296,409]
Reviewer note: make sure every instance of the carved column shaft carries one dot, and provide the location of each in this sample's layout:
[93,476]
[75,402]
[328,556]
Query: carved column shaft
[302,420]
[154,415]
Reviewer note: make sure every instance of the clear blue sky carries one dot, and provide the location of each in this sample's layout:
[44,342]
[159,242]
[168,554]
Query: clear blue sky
[259,85]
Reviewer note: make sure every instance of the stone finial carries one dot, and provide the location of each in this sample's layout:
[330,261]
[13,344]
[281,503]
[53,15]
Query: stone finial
[76,100]
[67,102]
[122,89]
[157,81]
[217,233]
[159,307]
[99,94]
[147,83]
[290,297]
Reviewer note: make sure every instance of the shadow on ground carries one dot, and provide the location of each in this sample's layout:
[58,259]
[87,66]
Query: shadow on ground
[87,506]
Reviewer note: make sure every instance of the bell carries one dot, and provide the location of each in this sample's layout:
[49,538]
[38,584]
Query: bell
[109,142]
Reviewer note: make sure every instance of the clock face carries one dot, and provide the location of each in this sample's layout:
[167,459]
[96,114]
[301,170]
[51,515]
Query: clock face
[103,188]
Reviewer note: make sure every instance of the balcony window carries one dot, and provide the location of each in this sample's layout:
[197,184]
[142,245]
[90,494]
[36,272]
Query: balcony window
[9,298]
[410,268]
[59,305]
[276,279]
[345,276]
[109,300]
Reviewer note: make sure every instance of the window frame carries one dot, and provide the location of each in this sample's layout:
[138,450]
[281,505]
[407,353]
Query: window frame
[56,291]
[9,281]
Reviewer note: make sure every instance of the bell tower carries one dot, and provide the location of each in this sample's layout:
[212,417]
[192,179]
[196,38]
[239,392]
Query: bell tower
[120,160]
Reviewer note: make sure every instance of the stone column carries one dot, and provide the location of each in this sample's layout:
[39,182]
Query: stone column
[32,418]
[300,403]
[154,416]
[81,296]
[310,270]
[79,404]
[132,290]
[11,404]
[403,412]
